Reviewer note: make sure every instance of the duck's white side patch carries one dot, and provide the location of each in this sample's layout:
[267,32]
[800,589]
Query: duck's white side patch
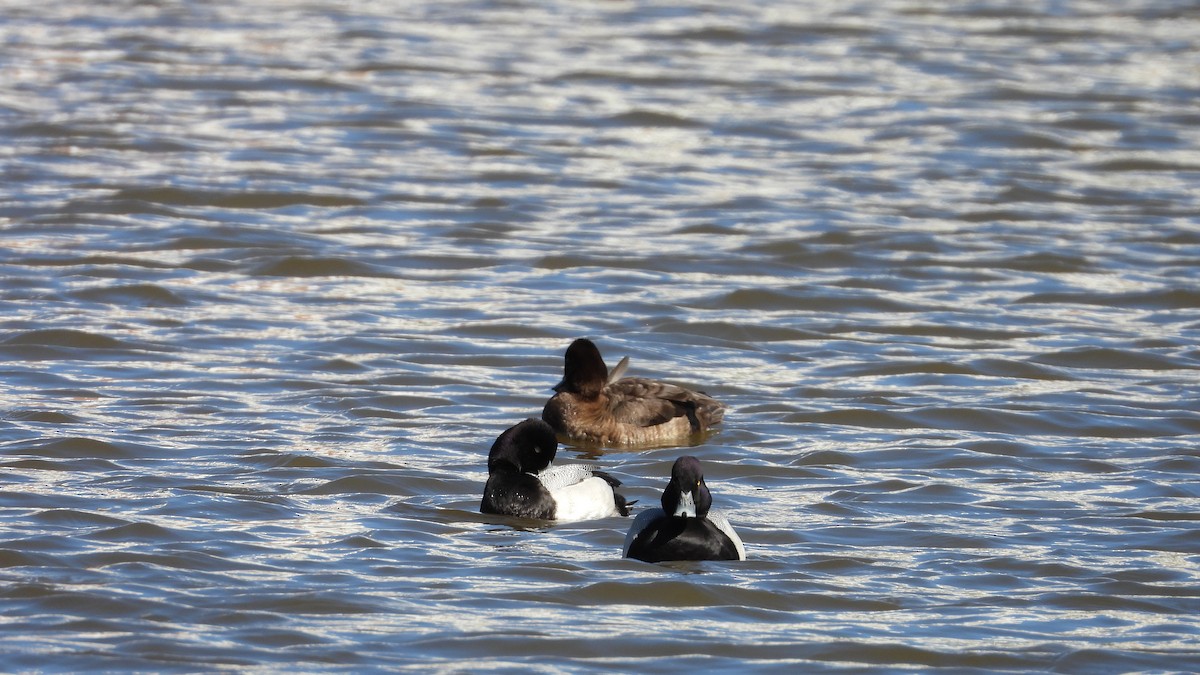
[717,518]
[585,500]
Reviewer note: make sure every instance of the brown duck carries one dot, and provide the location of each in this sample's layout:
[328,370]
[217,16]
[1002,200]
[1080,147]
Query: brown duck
[595,406]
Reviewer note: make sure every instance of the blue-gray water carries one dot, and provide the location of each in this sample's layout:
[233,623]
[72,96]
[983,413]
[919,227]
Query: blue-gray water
[273,276]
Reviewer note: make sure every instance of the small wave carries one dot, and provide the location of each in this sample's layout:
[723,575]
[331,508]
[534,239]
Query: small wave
[806,299]
[338,365]
[78,447]
[379,413]
[299,603]
[911,535]
[505,330]
[13,558]
[76,518]
[198,243]
[991,215]
[686,594]
[187,560]
[710,34]
[773,33]
[136,295]
[650,118]
[1001,448]
[73,600]
[279,638]
[1040,261]
[1108,358]
[65,343]
[232,200]
[570,261]
[1114,598]
[44,416]
[1183,465]
[735,332]
[1175,298]
[96,260]
[1033,569]
[826,458]
[1166,516]
[899,367]
[359,542]
[839,511]
[1124,661]
[1141,164]
[1052,423]
[996,367]
[227,504]
[856,417]
[136,532]
[271,458]
[1012,137]
[62,337]
[305,266]
[82,465]
[380,485]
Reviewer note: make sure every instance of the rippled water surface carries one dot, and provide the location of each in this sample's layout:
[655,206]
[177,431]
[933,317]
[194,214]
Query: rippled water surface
[274,275]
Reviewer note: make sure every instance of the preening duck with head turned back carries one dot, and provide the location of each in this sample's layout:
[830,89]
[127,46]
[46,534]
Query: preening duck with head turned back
[521,481]
[595,406]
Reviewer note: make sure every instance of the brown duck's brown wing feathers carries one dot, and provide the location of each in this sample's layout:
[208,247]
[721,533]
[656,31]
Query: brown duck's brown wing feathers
[645,402]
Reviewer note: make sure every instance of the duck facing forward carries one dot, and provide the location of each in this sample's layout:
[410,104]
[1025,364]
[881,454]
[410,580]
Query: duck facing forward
[521,482]
[686,527]
[594,406]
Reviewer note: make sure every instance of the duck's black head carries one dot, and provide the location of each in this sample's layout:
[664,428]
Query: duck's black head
[686,493]
[528,447]
[584,372]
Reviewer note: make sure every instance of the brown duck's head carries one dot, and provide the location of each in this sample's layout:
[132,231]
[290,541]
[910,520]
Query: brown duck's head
[584,372]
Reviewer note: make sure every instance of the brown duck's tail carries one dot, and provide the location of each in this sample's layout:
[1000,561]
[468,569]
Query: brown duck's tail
[704,412]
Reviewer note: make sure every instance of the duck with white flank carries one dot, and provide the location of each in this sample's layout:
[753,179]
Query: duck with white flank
[686,527]
[521,482]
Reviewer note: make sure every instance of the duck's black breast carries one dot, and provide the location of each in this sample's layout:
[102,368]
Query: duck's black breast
[678,538]
[517,494]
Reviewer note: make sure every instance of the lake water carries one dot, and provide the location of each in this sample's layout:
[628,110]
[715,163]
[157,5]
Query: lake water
[273,276]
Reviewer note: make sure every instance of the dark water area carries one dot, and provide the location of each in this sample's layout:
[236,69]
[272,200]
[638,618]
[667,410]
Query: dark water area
[274,275]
